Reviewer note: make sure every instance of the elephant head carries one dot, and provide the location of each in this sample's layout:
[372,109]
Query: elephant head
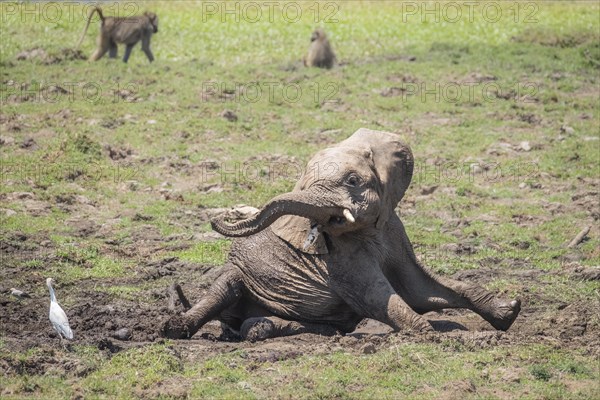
[352,186]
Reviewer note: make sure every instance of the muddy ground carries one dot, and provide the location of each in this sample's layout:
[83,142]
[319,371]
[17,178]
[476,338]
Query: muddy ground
[114,324]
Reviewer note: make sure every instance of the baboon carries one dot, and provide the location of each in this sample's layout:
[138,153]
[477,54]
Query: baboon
[122,30]
[320,53]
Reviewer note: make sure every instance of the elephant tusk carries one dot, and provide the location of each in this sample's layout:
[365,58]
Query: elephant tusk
[349,216]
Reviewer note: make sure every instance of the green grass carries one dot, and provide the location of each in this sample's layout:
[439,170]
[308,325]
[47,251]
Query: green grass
[211,253]
[401,371]
[115,377]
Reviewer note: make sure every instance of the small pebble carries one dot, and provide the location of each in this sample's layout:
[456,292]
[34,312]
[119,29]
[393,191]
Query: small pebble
[368,348]
[122,334]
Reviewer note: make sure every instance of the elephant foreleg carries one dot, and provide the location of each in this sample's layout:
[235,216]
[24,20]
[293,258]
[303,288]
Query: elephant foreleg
[425,292]
[224,292]
[261,328]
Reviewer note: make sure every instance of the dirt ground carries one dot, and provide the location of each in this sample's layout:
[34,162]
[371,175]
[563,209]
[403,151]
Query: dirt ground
[114,325]
[98,320]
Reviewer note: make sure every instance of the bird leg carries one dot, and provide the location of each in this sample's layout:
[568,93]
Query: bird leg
[62,342]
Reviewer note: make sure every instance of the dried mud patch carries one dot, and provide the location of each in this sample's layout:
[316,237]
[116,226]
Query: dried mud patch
[553,38]
[40,55]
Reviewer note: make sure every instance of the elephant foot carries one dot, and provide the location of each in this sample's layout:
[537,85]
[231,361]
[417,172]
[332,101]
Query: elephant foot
[256,329]
[175,328]
[504,314]
[261,328]
[422,325]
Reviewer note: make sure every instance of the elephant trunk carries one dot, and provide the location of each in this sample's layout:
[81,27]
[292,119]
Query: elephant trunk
[304,204]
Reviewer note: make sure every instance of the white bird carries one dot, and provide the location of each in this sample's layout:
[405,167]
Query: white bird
[19,293]
[57,315]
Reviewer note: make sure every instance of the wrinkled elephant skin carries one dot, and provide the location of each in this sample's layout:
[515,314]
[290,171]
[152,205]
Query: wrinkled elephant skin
[332,252]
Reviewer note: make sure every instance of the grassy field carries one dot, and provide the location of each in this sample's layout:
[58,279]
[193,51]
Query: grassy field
[112,171]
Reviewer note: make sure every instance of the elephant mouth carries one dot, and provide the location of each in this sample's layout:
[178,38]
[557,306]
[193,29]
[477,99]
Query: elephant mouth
[337,221]
[346,217]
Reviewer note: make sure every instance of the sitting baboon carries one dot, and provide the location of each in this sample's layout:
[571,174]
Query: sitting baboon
[320,53]
[122,30]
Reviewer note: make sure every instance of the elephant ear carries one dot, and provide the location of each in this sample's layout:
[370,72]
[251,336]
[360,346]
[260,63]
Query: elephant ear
[295,230]
[394,164]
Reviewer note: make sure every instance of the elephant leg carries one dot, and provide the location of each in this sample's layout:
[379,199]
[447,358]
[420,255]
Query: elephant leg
[223,293]
[261,328]
[368,292]
[424,291]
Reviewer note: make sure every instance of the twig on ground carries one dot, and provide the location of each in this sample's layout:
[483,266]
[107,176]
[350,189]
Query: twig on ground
[580,236]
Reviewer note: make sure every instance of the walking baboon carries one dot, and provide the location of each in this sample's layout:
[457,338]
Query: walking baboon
[320,53]
[122,30]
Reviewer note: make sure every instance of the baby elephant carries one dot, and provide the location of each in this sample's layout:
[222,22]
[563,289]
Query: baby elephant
[332,252]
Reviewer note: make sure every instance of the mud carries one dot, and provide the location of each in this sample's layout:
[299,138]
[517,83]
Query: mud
[112,325]
[41,55]
[116,323]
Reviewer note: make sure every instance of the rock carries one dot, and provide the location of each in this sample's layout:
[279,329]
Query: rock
[108,309]
[428,190]
[207,236]
[244,385]
[241,212]
[476,168]
[525,146]
[368,348]
[36,52]
[509,376]
[348,340]
[6,141]
[464,386]
[567,130]
[82,199]
[122,334]
[589,274]
[21,196]
[7,212]
[28,143]
[229,115]
[134,186]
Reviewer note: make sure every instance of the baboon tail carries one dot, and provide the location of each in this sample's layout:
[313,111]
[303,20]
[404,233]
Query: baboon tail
[87,25]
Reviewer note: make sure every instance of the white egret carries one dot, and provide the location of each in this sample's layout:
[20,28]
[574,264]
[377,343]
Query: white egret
[57,315]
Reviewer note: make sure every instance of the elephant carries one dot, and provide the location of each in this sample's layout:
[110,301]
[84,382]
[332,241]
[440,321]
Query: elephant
[332,252]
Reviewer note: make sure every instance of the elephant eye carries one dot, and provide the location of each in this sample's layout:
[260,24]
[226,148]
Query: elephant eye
[353,180]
